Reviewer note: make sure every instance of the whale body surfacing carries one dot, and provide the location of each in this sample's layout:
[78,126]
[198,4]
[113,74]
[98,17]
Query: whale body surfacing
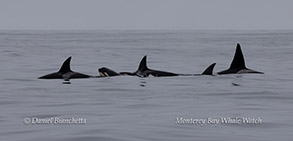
[65,73]
[238,64]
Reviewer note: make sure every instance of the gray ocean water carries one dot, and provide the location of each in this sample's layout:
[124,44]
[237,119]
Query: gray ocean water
[126,108]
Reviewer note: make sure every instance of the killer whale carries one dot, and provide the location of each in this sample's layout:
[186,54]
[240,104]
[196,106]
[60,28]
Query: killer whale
[144,71]
[65,73]
[104,72]
[238,64]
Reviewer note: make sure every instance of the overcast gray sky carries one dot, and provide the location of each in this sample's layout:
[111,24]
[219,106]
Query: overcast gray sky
[146,14]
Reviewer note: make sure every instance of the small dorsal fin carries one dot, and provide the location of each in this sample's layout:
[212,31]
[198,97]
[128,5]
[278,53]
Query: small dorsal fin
[143,64]
[65,66]
[238,60]
[209,70]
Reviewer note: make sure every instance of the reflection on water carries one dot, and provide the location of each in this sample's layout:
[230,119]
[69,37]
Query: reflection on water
[142,83]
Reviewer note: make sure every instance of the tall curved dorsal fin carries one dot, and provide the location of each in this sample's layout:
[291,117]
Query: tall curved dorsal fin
[65,66]
[238,60]
[209,70]
[143,64]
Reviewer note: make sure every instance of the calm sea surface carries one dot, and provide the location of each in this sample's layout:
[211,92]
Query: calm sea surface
[142,109]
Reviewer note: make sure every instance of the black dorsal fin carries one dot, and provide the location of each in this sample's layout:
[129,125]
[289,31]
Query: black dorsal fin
[65,66]
[143,64]
[209,70]
[238,60]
